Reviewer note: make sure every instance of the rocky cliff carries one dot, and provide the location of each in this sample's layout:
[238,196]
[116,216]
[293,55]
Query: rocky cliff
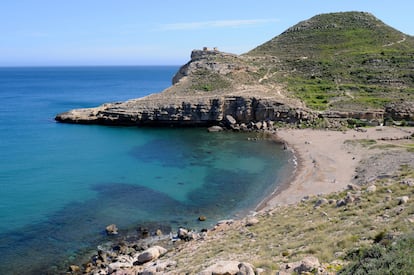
[188,112]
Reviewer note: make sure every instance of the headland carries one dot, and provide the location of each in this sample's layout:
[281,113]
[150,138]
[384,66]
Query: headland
[346,72]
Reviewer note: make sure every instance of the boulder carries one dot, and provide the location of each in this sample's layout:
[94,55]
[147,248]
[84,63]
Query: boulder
[229,268]
[246,269]
[230,120]
[340,203]
[259,125]
[403,200]
[371,189]
[409,182]
[349,198]
[74,268]
[214,129]
[111,229]
[182,233]
[321,202]
[151,254]
[250,221]
[308,264]
[353,187]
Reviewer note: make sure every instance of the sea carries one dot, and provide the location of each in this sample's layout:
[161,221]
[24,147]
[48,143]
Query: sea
[62,184]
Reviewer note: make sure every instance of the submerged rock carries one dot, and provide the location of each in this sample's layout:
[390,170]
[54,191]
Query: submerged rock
[111,229]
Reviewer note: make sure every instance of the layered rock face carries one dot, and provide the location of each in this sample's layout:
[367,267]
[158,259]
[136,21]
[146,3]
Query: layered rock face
[202,112]
[400,111]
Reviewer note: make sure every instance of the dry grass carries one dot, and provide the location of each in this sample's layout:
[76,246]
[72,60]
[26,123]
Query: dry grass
[289,233]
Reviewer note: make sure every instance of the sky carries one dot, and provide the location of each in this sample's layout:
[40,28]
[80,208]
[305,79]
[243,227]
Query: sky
[155,32]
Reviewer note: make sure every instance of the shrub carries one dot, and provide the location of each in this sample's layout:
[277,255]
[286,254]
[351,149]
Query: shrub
[378,259]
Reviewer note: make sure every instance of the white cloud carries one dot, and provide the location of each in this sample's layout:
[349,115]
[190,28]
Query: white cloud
[215,24]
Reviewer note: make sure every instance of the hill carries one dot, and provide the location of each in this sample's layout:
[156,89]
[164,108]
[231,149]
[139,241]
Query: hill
[331,68]
[348,60]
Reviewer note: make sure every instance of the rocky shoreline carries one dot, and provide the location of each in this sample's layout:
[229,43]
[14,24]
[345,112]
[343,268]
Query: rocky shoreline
[250,93]
[239,107]
[126,256]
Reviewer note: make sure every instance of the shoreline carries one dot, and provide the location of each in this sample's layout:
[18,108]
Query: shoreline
[326,160]
[288,175]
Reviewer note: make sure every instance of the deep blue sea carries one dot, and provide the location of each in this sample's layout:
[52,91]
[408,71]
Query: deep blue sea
[62,184]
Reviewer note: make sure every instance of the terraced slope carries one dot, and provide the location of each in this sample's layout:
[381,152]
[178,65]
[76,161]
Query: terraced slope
[343,61]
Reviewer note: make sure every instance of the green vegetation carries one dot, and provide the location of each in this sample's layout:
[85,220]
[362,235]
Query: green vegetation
[362,142]
[343,61]
[383,258]
[347,61]
[208,81]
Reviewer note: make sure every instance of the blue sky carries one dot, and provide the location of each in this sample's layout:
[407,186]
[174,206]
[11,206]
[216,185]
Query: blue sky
[155,32]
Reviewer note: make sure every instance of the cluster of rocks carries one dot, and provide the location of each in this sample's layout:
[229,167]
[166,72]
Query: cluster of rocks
[355,193]
[308,265]
[136,257]
[125,259]
[231,123]
[382,166]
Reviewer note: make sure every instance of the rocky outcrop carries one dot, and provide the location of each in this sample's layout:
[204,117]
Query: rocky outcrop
[211,60]
[221,88]
[151,254]
[308,265]
[213,85]
[400,111]
[111,229]
[229,268]
[187,112]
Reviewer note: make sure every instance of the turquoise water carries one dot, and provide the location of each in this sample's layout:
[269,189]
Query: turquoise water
[61,184]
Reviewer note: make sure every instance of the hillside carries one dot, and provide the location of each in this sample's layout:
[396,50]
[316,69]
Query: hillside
[347,60]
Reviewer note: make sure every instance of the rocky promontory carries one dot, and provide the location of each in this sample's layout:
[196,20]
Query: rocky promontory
[317,70]
[194,101]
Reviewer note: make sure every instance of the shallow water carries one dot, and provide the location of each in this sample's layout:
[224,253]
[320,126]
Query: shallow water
[61,184]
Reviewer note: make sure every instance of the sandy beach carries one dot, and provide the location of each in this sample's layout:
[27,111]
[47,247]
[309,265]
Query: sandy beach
[327,159]
[326,162]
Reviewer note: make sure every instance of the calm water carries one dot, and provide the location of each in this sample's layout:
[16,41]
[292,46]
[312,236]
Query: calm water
[61,184]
